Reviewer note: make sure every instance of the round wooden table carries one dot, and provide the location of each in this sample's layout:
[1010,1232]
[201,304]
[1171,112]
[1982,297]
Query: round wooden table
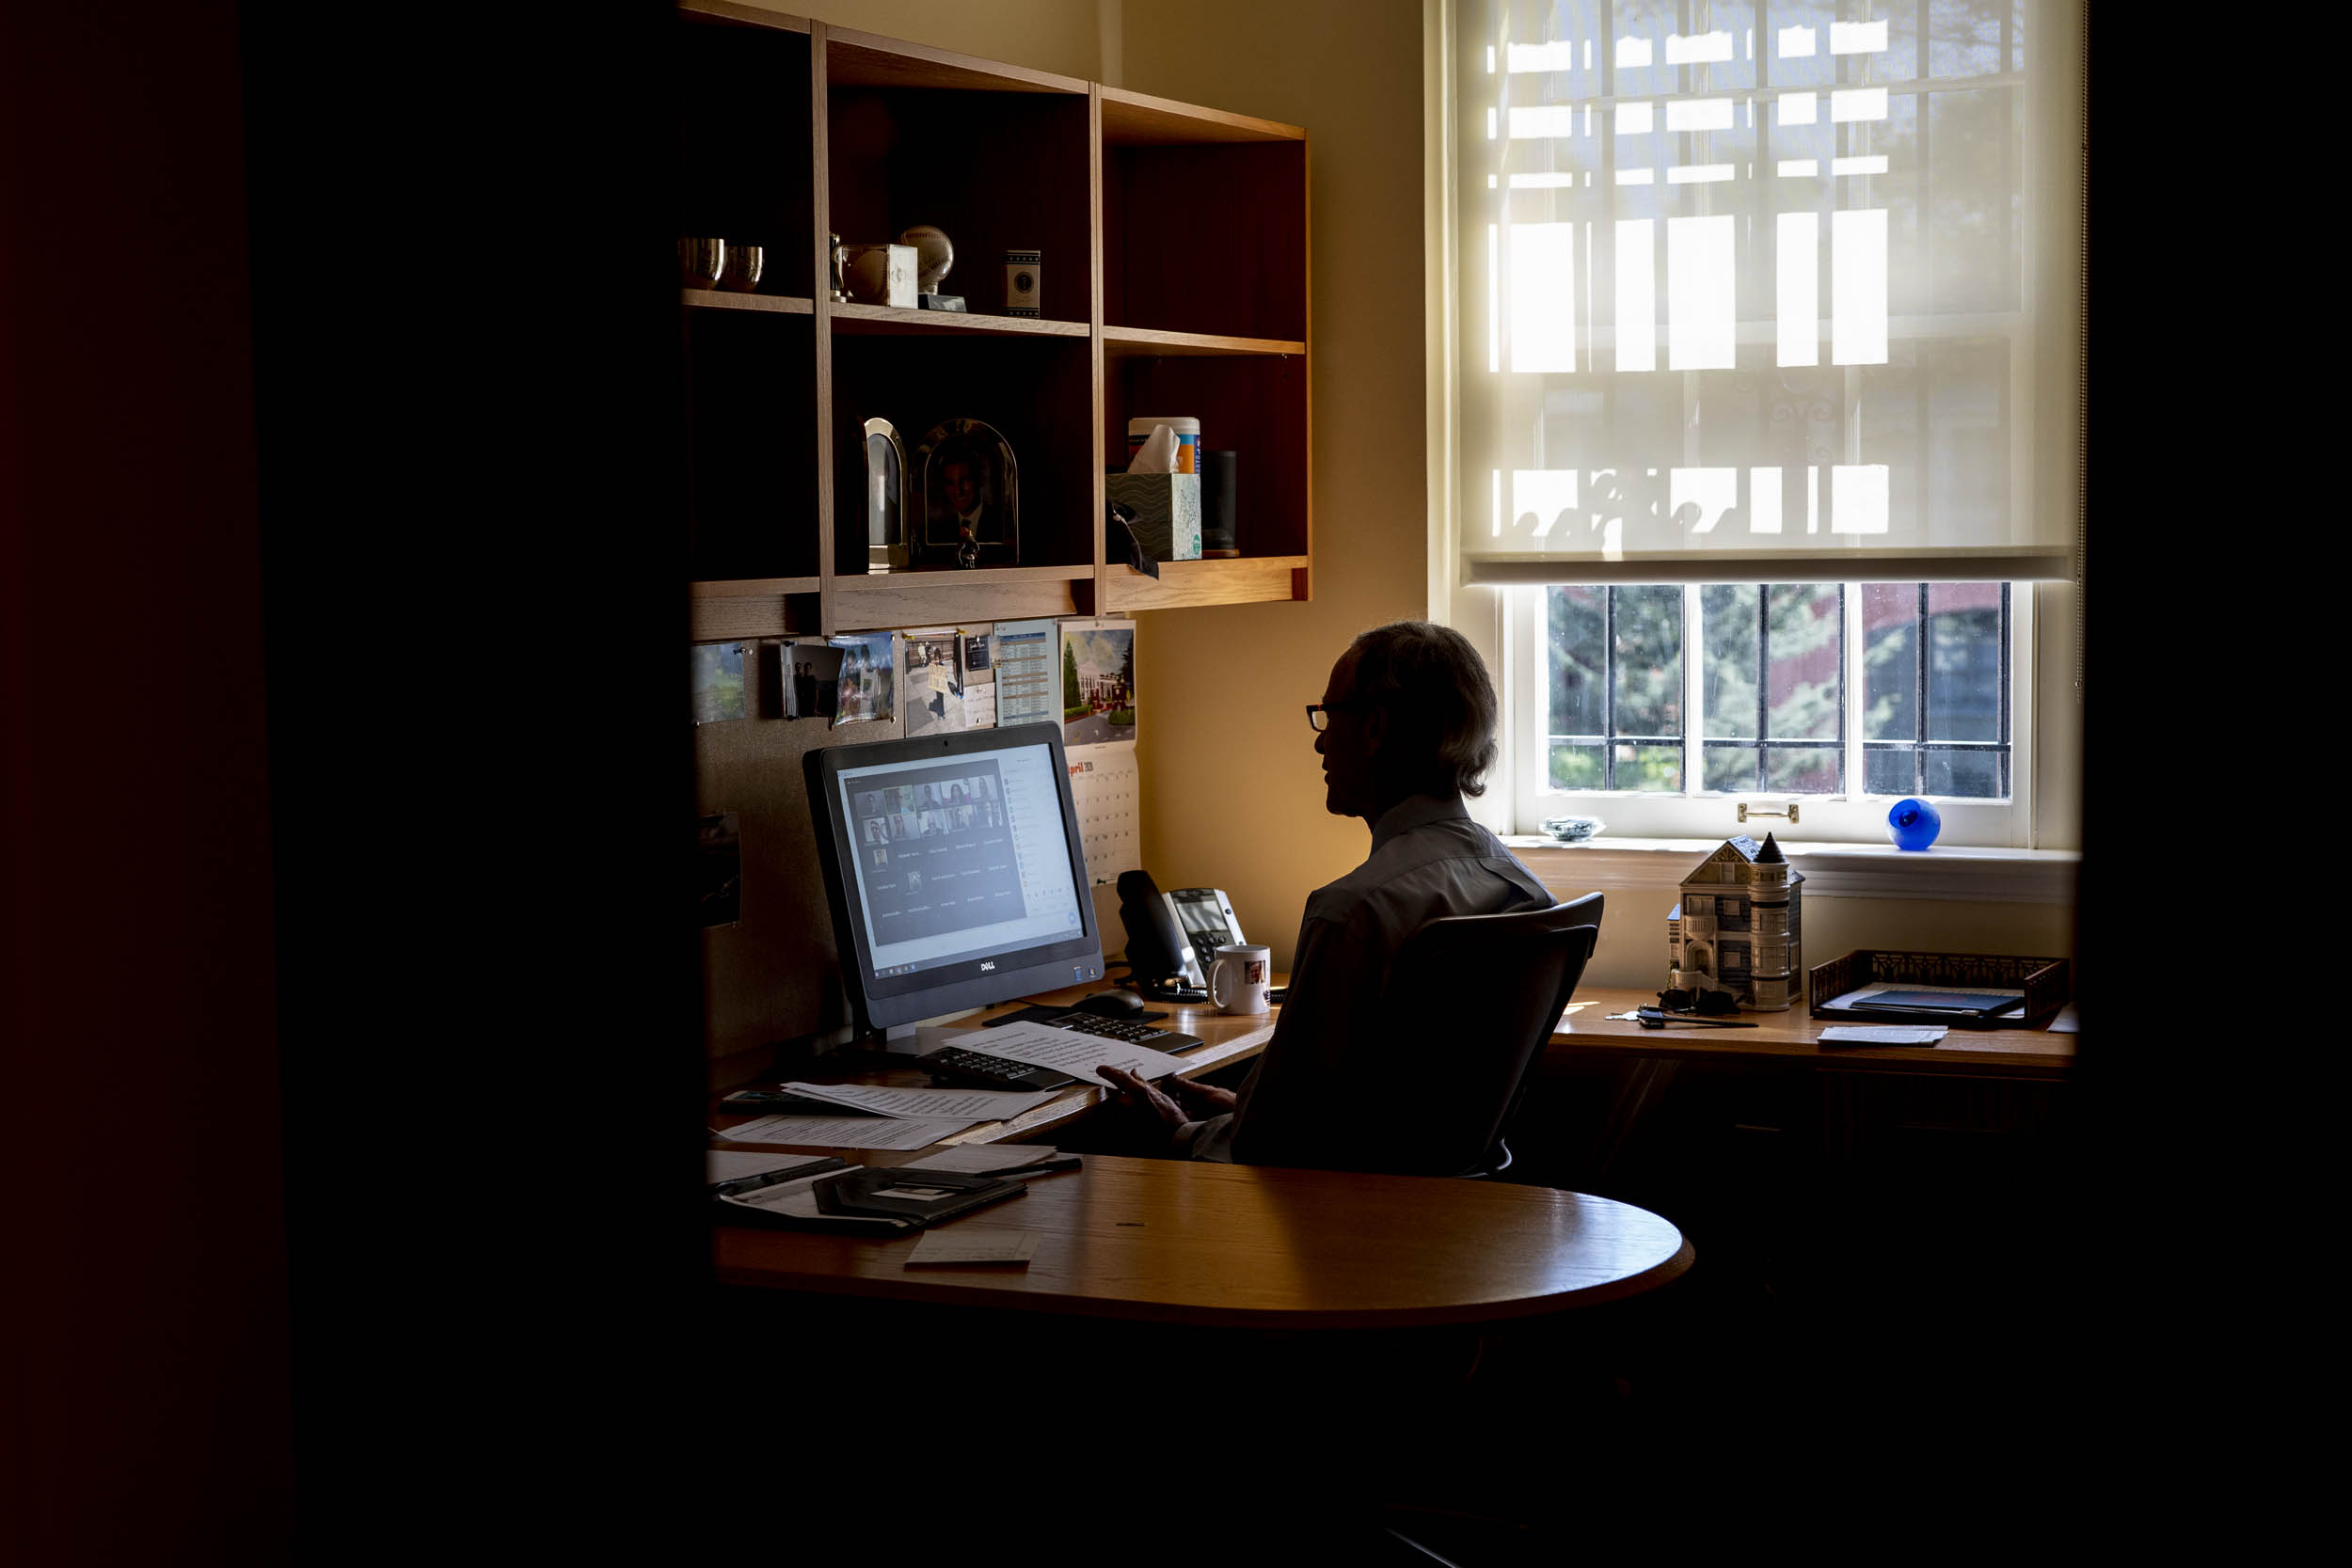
[1255,1247]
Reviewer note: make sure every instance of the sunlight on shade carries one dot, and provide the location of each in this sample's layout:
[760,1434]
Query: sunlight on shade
[1698,113]
[1700,297]
[1711,491]
[1797,108]
[1857,104]
[1857,497]
[1875,163]
[1541,500]
[1636,177]
[1490,125]
[1857,38]
[1633,53]
[1702,48]
[1542,122]
[1763,501]
[1543,296]
[1857,287]
[1797,266]
[1494,303]
[1699,174]
[1494,503]
[1490,59]
[1560,54]
[1796,43]
[1799,168]
[1632,119]
[1637,295]
[1541,182]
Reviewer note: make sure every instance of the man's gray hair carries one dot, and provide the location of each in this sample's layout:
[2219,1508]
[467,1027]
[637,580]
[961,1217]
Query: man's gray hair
[1439,701]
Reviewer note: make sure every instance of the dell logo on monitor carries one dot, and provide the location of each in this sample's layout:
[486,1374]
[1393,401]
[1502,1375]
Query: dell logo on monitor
[986,967]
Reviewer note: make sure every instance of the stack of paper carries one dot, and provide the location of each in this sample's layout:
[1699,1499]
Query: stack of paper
[850,1131]
[972,1104]
[1069,1050]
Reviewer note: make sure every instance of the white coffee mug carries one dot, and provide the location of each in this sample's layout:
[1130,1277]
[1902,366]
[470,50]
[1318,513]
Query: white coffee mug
[1237,980]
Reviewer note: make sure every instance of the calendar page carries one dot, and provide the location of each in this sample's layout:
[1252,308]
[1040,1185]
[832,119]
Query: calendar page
[1103,785]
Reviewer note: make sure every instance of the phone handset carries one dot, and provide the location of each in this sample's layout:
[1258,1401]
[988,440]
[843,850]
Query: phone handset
[1160,959]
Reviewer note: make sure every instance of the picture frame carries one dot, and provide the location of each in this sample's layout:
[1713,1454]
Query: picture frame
[970,496]
[885,493]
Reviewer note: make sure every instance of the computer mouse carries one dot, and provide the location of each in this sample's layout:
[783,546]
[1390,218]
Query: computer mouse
[1112,1004]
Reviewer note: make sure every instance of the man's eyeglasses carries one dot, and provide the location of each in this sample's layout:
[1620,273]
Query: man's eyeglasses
[1319,714]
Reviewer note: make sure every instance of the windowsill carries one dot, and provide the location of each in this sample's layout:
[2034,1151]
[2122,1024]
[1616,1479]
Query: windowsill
[1948,873]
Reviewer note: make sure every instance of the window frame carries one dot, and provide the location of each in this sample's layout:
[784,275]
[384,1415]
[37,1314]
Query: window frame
[1853,818]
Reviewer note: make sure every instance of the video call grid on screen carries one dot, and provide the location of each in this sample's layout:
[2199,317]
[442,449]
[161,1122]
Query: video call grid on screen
[959,859]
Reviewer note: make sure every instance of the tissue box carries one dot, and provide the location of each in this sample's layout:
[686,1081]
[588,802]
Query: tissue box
[1166,508]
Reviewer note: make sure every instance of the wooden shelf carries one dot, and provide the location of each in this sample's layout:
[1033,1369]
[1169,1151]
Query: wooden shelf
[953,597]
[1139,120]
[727,14]
[751,608]
[877,320]
[715,299]
[804,129]
[854,60]
[1182,584]
[1139,343]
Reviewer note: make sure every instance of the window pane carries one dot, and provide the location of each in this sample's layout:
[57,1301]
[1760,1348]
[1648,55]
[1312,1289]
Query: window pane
[1890,665]
[1731,768]
[1802,771]
[1576,766]
[1964,662]
[1890,772]
[1648,656]
[1727,620]
[1806,643]
[1580,655]
[1651,767]
[1970,773]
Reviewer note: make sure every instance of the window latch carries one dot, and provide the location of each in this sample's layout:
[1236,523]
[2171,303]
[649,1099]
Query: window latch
[1746,811]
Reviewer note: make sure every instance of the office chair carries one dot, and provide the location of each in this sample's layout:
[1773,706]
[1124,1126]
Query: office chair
[1492,987]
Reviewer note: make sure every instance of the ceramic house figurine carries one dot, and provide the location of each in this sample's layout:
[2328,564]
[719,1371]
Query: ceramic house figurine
[1737,926]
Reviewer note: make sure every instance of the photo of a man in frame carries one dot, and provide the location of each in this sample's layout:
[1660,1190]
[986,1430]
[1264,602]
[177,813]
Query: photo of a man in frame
[970,512]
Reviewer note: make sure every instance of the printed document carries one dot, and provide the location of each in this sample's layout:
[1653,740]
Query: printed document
[850,1131]
[975,1104]
[970,1244]
[1069,1050]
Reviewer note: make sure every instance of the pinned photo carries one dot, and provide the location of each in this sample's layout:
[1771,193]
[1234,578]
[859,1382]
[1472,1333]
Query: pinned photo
[934,683]
[867,687]
[718,682]
[1098,682]
[814,686]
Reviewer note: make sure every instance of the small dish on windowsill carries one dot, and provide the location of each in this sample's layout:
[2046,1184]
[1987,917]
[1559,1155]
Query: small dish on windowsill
[1572,830]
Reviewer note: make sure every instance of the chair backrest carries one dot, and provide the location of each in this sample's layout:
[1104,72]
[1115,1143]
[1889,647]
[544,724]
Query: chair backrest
[1473,1000]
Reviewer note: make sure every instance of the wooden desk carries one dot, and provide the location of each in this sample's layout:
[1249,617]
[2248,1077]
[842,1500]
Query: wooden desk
[1795,1035]
[1224,1041]
[1246,1246]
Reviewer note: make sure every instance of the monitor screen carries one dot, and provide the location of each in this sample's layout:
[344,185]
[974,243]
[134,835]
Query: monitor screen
[954,870]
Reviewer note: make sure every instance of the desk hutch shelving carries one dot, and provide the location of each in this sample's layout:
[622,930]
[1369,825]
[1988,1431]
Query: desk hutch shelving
[1173,281]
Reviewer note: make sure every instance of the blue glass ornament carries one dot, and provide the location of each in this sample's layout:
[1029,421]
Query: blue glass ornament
[1913,824]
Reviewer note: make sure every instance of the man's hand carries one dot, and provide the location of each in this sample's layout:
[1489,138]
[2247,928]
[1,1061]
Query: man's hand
[1202,1100]
[1128,1089]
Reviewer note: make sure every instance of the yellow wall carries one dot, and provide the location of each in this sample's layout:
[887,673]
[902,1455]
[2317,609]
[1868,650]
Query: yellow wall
[1231,789]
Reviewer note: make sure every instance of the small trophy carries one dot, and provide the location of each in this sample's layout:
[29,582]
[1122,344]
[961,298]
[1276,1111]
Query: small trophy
[934,257]
[840,261]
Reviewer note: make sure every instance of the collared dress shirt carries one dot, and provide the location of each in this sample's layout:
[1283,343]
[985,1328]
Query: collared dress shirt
[1303,1103]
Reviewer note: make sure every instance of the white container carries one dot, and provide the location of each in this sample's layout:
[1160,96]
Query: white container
[882,275]
[1187,439]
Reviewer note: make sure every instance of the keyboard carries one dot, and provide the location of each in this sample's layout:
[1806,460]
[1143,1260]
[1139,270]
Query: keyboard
[1135,1031]
[992,1073]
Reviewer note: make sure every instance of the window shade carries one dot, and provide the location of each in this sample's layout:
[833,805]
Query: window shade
[1767,293]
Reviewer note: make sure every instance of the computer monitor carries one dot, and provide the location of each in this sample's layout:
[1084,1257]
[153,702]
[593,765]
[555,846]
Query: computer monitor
[954,869]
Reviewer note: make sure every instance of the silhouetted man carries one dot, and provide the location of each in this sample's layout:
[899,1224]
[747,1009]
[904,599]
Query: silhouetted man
[1405,729]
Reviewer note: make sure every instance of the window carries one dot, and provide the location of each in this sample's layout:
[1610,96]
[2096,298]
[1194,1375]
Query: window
[1658,707]
[1762,346]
